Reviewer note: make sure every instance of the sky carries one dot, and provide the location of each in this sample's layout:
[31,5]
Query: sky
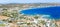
[29,1]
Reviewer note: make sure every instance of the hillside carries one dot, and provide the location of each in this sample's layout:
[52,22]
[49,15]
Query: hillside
[30,4]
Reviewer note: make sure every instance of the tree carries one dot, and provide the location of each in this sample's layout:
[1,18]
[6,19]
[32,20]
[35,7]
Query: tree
[14,13]
[42,22]
[36,17]
[4,12]
[56,25]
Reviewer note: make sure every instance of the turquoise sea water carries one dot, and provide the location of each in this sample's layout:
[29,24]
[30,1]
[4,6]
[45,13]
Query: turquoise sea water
[54,12]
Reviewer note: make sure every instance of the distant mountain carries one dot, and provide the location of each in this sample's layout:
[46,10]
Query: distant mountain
[29,4]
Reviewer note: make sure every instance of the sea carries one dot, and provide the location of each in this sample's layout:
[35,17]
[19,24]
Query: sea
[54,11]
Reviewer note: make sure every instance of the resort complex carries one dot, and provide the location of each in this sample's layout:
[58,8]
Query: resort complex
[12,15]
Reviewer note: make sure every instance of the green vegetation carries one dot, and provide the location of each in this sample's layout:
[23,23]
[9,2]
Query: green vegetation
[42,22]
[13,14]
[56,25]
[36,17]
[2,24]
[28,23]
[4,13]
[16,17]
